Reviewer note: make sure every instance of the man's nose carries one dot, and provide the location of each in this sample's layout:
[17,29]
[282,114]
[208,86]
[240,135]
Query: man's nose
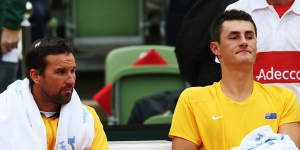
[71,78]
[243,42]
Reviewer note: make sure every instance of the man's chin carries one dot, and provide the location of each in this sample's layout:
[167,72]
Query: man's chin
[66,99]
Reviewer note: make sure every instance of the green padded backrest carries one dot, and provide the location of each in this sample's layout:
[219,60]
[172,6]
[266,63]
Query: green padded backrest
[123,57]
[133,87]
[160,119]
[107,18]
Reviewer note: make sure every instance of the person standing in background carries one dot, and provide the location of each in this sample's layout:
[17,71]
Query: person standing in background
[11,16]
[39,19]
[196,62]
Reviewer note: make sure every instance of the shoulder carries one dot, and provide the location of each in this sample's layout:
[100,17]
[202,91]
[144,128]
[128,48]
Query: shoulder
[275,91]
[196,90]
[100,140]
[97,123]
[273,88]
[200,94]
[92,111]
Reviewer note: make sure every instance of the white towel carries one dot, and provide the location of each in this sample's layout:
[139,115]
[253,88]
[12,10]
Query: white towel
[22,127]
[263,138]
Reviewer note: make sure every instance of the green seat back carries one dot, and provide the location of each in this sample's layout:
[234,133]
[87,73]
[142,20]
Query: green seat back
[149,80]
[133,83]
[123,57]
[106,18]
[160,119]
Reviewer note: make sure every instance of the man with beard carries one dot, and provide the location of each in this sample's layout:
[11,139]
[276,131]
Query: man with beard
[43,111]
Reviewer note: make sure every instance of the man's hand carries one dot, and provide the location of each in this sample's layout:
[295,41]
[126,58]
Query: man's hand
[9,40]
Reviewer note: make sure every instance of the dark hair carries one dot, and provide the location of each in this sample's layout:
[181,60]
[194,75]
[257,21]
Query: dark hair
[216,26]
[35,58]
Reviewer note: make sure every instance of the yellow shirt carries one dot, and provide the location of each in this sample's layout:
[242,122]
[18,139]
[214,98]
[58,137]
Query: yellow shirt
[211,120]
[99,142]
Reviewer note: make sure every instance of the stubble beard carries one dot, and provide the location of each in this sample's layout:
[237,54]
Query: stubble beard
[60,98]
[64,98]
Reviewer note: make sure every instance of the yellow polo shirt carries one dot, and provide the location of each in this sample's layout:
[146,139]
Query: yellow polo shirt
[211,120]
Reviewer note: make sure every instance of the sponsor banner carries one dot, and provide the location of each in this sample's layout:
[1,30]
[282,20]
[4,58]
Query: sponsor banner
[277,67]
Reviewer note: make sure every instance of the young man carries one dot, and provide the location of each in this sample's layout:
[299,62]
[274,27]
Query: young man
[219,116]
[278,43]
[43,111]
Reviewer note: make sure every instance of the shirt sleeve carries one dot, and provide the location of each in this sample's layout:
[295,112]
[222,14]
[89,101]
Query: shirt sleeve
[13,13]
[184,124]
[291,108]
[100,140]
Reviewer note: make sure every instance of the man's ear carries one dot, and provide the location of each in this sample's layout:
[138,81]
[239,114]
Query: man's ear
[214,47]
[35,75]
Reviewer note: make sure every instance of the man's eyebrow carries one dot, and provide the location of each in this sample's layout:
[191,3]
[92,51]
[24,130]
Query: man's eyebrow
[234,32]
[59,68]
[249,32]
[238,32]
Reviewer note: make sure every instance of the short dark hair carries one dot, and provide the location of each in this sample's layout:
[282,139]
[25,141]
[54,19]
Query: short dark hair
[35,57]
[216,26]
